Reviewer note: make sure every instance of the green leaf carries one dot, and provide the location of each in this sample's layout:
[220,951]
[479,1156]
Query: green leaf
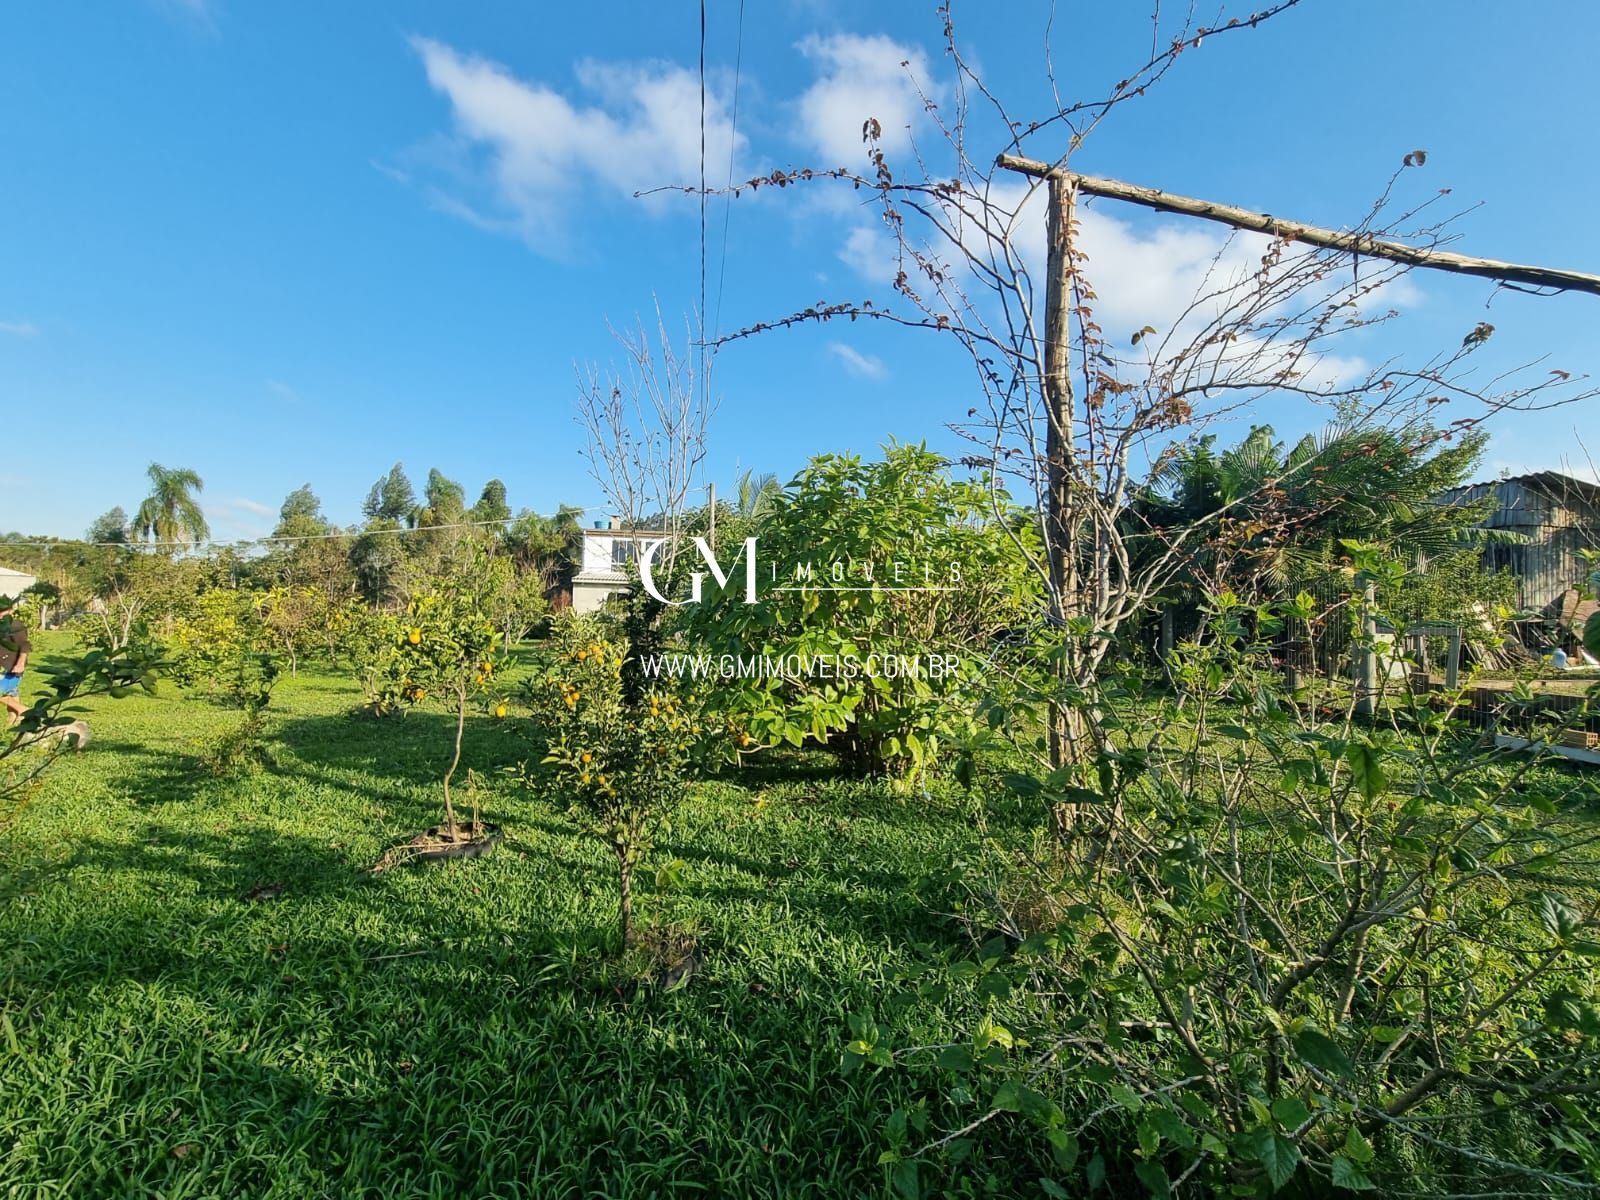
[1349,1176]
[1366,769]
[1357,1147]
[1008,1097]
[905,1180]
[1065,1147]
[1024,785]
[1290,1111]
[1276,1154]
[1095,1172]
[1591,634]
[1154,1179]
[1558,916]
[1126,1097]
[955,1058]
[1322,1052]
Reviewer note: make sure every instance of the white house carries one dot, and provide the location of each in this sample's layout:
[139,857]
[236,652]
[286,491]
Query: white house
[607,553]
[14,583]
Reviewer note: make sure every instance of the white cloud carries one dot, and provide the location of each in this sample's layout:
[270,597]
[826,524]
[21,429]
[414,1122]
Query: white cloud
[533,153]
[22,329]
[870,252]
[864,366]
[1172,275]
[239,519]
[860,78]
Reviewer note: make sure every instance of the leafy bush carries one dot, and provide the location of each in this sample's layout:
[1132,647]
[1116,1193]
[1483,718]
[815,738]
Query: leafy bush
[448,647]
[619,762]
[221,649]
[369,641]
[881,565]
[240,749]
[295,618]
[1310,955]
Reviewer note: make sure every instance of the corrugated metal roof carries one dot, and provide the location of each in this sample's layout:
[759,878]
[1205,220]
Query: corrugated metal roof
[1551,483]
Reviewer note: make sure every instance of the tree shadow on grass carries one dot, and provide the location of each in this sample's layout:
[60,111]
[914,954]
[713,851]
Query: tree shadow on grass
[412,749]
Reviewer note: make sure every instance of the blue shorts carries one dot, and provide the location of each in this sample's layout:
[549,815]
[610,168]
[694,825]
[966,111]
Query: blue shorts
[9,684]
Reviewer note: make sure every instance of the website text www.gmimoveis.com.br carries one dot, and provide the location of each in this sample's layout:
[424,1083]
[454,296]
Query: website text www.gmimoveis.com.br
[800,666]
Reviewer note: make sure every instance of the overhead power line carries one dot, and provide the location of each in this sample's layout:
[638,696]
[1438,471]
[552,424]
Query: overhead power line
[281,539]
[727,198]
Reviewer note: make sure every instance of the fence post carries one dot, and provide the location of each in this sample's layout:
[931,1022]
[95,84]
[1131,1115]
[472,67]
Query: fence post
[1367,685]
[1452,666]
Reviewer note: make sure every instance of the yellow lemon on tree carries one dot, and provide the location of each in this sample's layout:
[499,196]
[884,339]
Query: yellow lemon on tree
[415,636]
[499,710]
[586,758]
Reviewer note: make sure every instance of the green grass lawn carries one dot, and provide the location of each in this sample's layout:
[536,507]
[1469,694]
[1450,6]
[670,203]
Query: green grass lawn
[204,991]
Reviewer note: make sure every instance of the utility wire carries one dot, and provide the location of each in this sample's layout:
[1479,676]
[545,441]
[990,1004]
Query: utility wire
[262,541]
[727,199]
[702,187]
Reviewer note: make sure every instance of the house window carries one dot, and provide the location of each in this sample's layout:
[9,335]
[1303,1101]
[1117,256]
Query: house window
[623,552]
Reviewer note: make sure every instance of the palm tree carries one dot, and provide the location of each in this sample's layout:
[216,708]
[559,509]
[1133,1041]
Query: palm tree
[171,513]
[756,494]
[551,546]
[1272,513]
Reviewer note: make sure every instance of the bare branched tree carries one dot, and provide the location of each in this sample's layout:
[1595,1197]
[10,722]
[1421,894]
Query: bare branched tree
[645,425]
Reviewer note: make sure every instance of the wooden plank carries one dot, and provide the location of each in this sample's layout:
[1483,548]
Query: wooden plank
[1363,244]
[1590,758]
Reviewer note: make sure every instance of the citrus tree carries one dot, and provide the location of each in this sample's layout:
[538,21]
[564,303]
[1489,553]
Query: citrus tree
[219,629]
[448,647]
[295,616]
[620,761]
[368,640]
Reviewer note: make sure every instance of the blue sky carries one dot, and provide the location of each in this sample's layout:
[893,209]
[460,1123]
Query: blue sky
[293,242]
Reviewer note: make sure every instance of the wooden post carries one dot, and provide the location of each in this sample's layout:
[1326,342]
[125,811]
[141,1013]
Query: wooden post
[1367,685]
[1058,396]
[1057,386]
[1363,244]
[1452,665]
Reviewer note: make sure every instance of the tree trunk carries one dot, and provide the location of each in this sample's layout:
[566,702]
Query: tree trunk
[455,761]
[625,894]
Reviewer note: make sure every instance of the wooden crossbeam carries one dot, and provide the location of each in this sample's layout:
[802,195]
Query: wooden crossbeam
[1363,244]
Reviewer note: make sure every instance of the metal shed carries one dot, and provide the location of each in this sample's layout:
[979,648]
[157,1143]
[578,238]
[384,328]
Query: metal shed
[1558,515]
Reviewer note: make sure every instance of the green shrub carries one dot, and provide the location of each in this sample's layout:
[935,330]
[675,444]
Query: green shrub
[220,647]
[1299,954]
[368,641]
[881,565]
[618,762]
